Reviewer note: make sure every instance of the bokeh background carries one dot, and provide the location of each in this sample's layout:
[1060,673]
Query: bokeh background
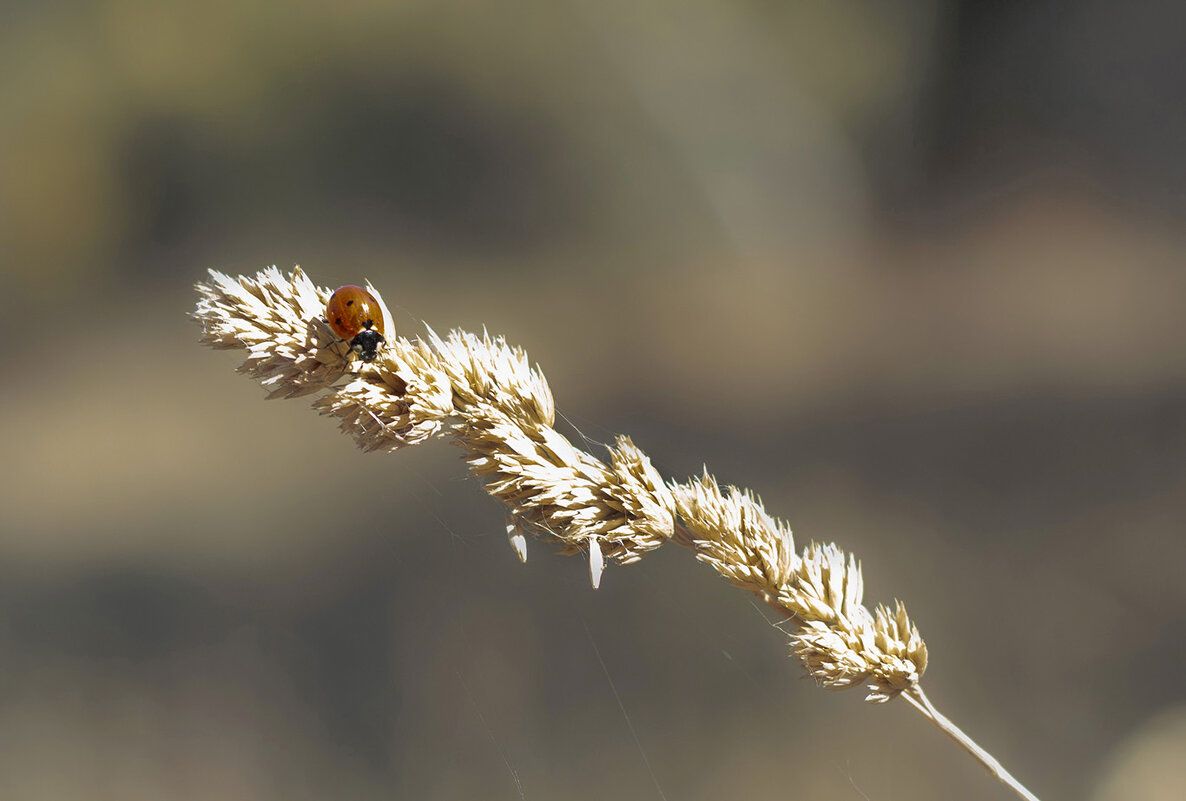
[911,270]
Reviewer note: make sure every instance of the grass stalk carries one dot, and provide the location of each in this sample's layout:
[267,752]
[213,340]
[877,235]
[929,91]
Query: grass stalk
[490,401]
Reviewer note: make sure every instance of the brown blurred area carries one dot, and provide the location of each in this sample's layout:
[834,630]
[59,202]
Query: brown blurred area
[912,271]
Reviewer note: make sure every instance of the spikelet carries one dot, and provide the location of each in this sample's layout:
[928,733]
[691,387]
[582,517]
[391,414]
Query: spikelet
[840,643]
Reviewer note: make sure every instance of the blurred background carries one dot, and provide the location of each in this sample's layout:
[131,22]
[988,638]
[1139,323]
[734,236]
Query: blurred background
[911,270]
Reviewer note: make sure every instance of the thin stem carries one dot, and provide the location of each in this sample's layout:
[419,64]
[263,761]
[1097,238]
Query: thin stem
[919,701]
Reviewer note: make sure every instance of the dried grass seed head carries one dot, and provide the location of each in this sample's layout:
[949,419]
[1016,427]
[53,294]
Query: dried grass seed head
[839,641]
[732,532]
[278,320]
[564,494]
[501,411]
[402,398]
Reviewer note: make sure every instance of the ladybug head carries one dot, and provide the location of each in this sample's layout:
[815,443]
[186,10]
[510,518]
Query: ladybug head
[366,344]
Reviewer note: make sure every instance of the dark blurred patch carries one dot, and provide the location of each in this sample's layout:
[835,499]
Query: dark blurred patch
[996,470]
[433,154]
[122,615]
[1158,664]
[173,173]
[380,154]
[1005,468]
[1093,87]
[336,654]
[339,658]
[15,12]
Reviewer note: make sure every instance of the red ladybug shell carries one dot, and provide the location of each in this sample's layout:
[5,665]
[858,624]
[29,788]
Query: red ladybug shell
[351,310]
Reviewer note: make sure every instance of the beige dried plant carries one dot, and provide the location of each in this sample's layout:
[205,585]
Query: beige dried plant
[486,396]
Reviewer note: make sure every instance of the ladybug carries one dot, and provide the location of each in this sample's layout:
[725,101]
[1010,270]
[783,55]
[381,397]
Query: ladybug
[356,317]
